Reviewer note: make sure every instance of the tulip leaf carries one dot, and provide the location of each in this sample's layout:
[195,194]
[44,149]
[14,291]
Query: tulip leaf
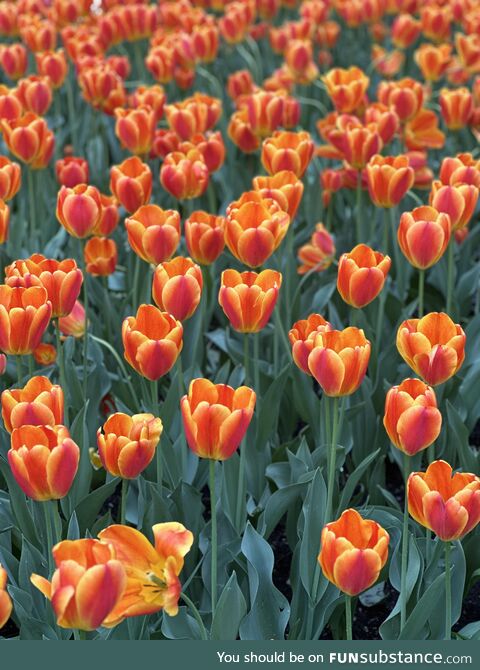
[88,508]
[230,610]
[353,480]
[313,514]
[19,505]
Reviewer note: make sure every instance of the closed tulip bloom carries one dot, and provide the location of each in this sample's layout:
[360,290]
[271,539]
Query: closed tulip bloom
[72,171]
[52,64]
[318,254]
[405,96]
[434,346]
[339,360]
[109,216]
[460,169]
[241,133]
[204,236]
[346,88]
[211,147]
[10,178]
[6,606]
[302,338]
[87,584]
[446,503]
[38,403]
[412,418]
[151,96]
[283,185]
[248,299]
[458,201]
[44,461]
[216,418]
[4,221]
[29,139]
[433,61]
[74,323]
[185,175]
[79,209]
[24,317]
[152,571]
[361,275]
[254,228]
[405,30]
[287,150]
[177,287]
[45,354]
[127,444]
[196,114]
[35,94]
[389,178]
[101,256]
[423,236]
[456,106]
[353,552]
[154,233]
[355,143]
[436,22]
[152,340]
[131,183]
[10,106]
[135,128]
[13,60]
[468,49]
[61,279]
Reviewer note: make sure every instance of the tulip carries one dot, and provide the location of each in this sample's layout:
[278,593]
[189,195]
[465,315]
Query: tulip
[152,571]
[254,228]
[72,171]
[216,418]
[126,444]
[460,169]
[10,106]
[385,119]
[10,178]
[389,178]
[318,254]
[35,94]
[131,183]
[433,346]
[29,139]
[73,324]
[248,298]
[241,132]
[433,61]
[52,64]
[150,96]
[412,419]
[38,403]
[135,128]
[6,606]
[287,151]
[405,96]
[101,256]
[302,338]
[355,143]
[211,147]
[204,236]
[102,87]
[299,61]
[152,340]
[177,287]
[458,201]
[79,209]
[196,114]
[87,584]
[4,221]
[284,187]
[422,132]
[24,317]
[436,22]
[45,354]
[361,275]
[109,216]
[44,461]
[405,30]
[346,88]
[468,49]
[240,83]
[184,175]
[423,236]
[159,62]
[13,60]
[154,233]
[353,552]
[456,106]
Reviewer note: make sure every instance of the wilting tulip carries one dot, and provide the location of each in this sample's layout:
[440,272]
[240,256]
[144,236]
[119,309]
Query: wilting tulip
[29,139]
[423,236]
[389,178]
[405,96]
[135,128]
[448,505]
[196,114]
[254,228]
[131,183]
[101,256]
[302,338]
[74,323]
[184,175]
[458,201]
[13,60]
[61,279]
[339,360]
[216,418]
[154,233]
[79,209]
[287,151]
[284,187]
[152,571]
[318,254]
[4,221]
[346,88]
[433,61]
[248,298]
[72,171]
[24,317]
[177,287]
[361,275]
[456,106]
[204,236]
[45,354]
[434,346]
[52,64]
[353,552]
[10,178]
[152,340]
[126,444]
[412,418]
[38,403]
[44,461]
[6,606]
[87,584]
[35,94]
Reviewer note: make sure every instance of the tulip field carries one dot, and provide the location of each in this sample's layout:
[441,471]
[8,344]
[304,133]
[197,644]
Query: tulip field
[240,320]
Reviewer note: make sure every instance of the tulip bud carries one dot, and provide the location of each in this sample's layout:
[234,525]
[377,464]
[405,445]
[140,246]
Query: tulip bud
[248,299]
[361,275]
[177,287]
[131,183]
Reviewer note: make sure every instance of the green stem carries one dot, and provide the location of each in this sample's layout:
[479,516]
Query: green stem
[137,48]
[19,369]
[196,614]
[403,575]
[214,549]
[158,455]
[396,251]
[448,594]
[243,447]
[31,366]
[119,361]
[358,209]
[123,502]
[71,114]
[136,279]
[450,268]
[61,364]
[421,291]
[256,358]
[32,206]
[332,459]
[348,616]
[49,538]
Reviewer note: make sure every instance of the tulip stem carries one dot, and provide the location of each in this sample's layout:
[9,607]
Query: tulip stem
[358,209]
[243,447]
[19,369]
[348,616]
[85,305]
[123,502]
[61,364]
[448,593]
[256,359]
[49,535]
[450,266]
[421,291]
[71,114]
[31,205]
[403,574]
[136,279]
[332,460]
[213,508]
[196,614]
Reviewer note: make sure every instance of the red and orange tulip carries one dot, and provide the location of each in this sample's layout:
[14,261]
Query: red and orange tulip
[361,275]
[248,299]
[101,256]
[154,233]
[10,178]
[423,236]
[302,338]
[433,60]
[346,88]
[24,317]
[389,178]
[456,106]
[35,94]
[135,128]
[72,171]
[38,403]
[177,287]
[73,324]
[286,150]
[45,354]
[52,64]
[185,175]
[29,139]
[131,183]
[458,201]
[6,605]
[284,187]
[79,209]
[404,96]
[196,114]
[204,236]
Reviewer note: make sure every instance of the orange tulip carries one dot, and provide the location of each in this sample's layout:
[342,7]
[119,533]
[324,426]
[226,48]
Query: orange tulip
[152,340]
[211,147]
[385,120]
[284,187]
[74,323]
[45,354]
[287,151]
[254,228]
[339,360]
[29,139]
[79,209]
[13,60]
[52,64]
[216,418]
[318,254]
[38,403]
[302,338]
[39,34]
[10,106]
[131,183]
[389,178]
[10,178]
[434,346]
[436,22]
[405,30]
[85,570]
[299,61]
[6,606]
[423,236]
[4,221]
[35,94]
[184,175]
[101,256]
[433,61]
[152,571]
[126,444]
[154,233]
[346,88]
[355,143]
[412,418]
[151,96]
[240,83]
[44,461]
[102,87]
[387,63]
[177,287]
[24,317]
[458,201]
[448,505]
[468,50]
[460,169]
[354,551]
[248,299]
[422,132]
[457,107]
[405,96]
[72,171]
[204,235]
[241,133]
[135,128]
[361,275]
[196,114]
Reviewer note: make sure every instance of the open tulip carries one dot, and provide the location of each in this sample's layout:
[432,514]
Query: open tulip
[346,88]
[24,317]
[361,275]
[204,236]
[286,150]
[282,185]
[423,236]
[433,60]
[389,178]
[302,338]
[318,254]
[177,287]
[185,175]
[248,299]
[29,139]
[154,233]
[6,606]
[38,403]
[131,183]
[100,256]
[79,209]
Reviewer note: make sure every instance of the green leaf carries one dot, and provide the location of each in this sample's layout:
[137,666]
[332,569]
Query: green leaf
[88,508]
[353,480]
[231,608]
[313,513]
